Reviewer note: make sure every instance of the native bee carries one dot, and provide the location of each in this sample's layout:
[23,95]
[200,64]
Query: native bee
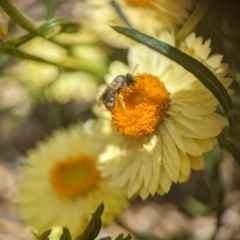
[113,90]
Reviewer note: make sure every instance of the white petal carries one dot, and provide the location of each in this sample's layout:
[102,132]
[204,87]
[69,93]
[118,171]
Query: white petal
[197,163]
[205,50]
[214,60]
[156,166]
[144,193]
[169,146]
[190,40]
[183,178]
[165,181]
[205,144]
[226,82]
[191,146]
[174,133]
[185,167]
[169,166]
[148,176]
[134,187]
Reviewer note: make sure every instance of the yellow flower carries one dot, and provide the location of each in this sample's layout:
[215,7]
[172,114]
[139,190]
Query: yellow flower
[150,16]
[48,81]
[62,185]
[169,119]
[78,86]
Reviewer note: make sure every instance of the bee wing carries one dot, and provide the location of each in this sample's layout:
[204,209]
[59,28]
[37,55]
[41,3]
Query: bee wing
[103,97]
[100,100]
[109,91]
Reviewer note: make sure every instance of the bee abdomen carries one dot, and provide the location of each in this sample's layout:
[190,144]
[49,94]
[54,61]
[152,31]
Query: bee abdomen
[111,102]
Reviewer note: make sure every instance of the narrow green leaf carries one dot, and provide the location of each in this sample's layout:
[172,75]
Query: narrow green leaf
[98,222]
[120,13]
[66,234]
[105,238]
[45,235]
[121,237]
[94,226]
[99,210]
[128,237]
[192,65]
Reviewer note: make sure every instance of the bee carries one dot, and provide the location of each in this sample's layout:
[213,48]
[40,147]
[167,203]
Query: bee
[113,91]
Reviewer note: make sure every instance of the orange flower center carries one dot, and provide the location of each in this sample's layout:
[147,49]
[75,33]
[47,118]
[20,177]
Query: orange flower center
[139,2]
[73,175]
[146,106]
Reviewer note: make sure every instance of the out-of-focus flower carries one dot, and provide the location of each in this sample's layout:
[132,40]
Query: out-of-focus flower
[77,86]
[46,80]
[149,16]
[169,120]
[63,186]
[34,75]
[45,49]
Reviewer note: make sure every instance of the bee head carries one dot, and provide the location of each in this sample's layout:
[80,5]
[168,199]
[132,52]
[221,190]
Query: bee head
[129,79]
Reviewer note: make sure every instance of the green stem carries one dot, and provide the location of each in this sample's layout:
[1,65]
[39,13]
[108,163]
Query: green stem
[16,15]
[44,30]
[193,19]
[219,191]
[74,65]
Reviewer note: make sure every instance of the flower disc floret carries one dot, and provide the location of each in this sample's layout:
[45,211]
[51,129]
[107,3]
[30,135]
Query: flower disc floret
[73,175]
[139,2]
[146,105]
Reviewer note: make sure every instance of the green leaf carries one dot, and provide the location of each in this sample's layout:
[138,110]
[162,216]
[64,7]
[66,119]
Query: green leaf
[66,234]
[121,237]
[191,64]
[45,235]
[120,13]
[94,226]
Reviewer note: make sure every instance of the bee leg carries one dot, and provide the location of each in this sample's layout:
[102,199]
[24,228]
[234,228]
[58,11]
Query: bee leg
[132,90]
[120,98]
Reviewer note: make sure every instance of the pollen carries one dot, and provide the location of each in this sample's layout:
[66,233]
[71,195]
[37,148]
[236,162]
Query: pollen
[139,2]
[146,107]
[72,176]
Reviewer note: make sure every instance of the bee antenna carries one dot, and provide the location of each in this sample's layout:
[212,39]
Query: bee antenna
[135,68]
